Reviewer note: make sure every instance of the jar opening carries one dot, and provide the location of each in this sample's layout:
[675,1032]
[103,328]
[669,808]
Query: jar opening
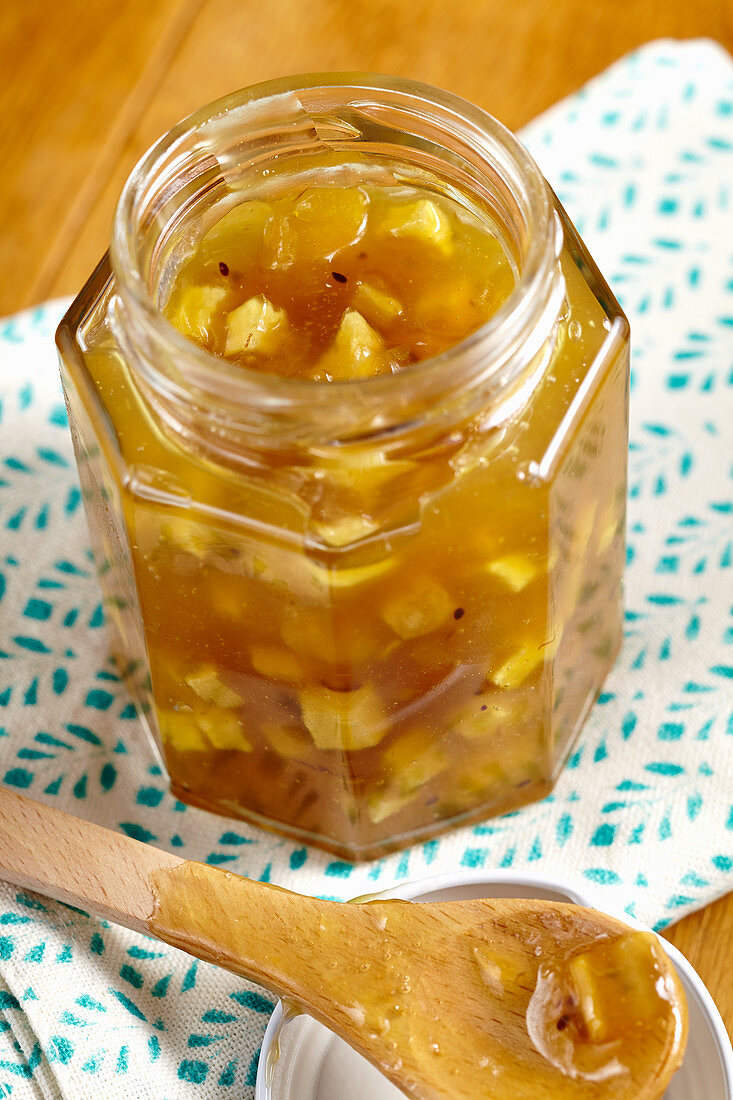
[225,150]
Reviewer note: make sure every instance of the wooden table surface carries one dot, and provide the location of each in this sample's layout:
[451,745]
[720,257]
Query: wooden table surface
[88,84]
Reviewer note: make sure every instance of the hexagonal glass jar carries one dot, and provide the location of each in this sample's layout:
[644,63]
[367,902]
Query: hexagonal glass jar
[357,612]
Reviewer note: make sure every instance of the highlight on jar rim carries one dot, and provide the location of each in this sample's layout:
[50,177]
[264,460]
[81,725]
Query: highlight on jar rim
[349,402]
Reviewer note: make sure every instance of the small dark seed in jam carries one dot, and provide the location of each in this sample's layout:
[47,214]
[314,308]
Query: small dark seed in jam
[562,1023]
[483,706]
[458,613]
[338,276]
[224,268]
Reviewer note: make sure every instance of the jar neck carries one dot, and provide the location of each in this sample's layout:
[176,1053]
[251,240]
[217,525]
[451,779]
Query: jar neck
[242,415]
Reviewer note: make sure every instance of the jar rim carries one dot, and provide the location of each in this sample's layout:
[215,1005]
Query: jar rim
[215,376]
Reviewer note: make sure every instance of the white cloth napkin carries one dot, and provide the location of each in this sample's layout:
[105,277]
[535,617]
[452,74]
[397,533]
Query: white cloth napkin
[643,813]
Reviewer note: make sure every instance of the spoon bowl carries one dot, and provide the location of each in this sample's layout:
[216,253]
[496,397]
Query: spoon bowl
[302,1060]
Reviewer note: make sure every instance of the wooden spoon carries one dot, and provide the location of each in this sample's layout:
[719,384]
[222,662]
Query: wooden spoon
[500,999]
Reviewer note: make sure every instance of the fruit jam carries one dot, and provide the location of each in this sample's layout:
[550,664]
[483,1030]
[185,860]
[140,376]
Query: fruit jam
[340,282]
[360,637]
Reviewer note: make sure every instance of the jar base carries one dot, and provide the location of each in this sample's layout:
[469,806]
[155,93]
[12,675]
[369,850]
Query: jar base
[358,853]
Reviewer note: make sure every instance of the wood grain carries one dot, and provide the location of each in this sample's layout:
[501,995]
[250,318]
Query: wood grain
[706,939]
[89,87]
[77,76]
[77,862]
[86,87]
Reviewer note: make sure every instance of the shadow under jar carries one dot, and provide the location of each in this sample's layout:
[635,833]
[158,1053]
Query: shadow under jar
[355,611]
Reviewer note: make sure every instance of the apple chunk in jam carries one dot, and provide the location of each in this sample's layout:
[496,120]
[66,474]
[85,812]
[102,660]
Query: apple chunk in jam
[335,283]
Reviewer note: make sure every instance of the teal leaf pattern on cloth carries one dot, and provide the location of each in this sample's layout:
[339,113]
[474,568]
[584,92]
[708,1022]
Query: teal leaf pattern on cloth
[642,815]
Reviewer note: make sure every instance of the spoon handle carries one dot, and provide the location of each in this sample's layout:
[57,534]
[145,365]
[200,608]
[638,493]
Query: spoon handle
[252,928]
[78,862]
[255,929]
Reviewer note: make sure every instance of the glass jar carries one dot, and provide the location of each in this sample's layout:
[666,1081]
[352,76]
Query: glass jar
[356,612]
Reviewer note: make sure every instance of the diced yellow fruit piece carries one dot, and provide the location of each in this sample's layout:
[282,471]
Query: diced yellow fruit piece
[502,968]
[484,779]
[607,536]
[521,755]
[504,761]
[224,731]
[485,723]
[194,538]
[330,218]
[357,351]
[569,587]
[227,596]
[410,762]
[583,529]
[422,220]
[344,530]
[147,532]
[420,607]
[520,666]
[284,568]
[323,222]
[574,560]
[383,804]
[376,305]
[180,730]
[277,664]
[308,632]
[350,578]
[609,527]
[491,258]
[255,326]
[639,957]
[516,570]
[194,309]
[236,238]
[508,746]
[365,472]
[584,984]
[615,984]
[448,308]
[291,744]
[343,720]
[207,684]
[413,760]
[311,633]
[198,731]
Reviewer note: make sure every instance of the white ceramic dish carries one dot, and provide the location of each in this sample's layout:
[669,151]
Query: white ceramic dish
[302,1060]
